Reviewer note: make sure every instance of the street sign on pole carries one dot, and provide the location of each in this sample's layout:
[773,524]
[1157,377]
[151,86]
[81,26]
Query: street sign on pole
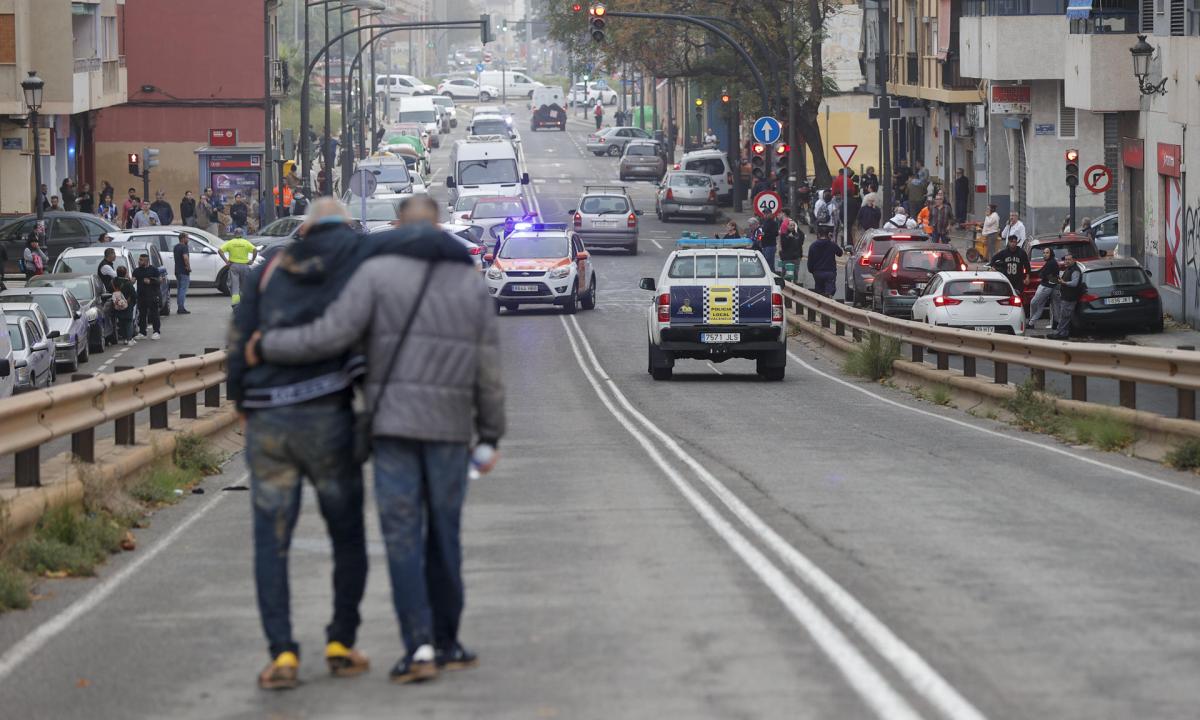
[845,153]
[1097,178]
[766,130]
[766,203]
[478,67]
[363,183]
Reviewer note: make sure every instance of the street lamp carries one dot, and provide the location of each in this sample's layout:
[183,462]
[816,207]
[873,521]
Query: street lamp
[1143,53]
[32,86]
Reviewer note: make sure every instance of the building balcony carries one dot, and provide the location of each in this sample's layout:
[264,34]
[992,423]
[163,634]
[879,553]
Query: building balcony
[928,78]
[98,84]
[1012,46]
[1099,74]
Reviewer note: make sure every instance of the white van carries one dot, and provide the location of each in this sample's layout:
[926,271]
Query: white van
[549,108]
[401,85]
[8,375]
[715,164]
[423,111]
[487,163]
[510,82]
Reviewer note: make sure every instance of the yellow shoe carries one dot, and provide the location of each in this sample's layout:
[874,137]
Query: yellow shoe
[344,661]
[282,673]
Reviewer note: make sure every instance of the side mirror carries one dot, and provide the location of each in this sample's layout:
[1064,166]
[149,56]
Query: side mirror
[38,347]
[78,314]
[778,281]
[647,284]
[5,368]
[53,334]
[582,255]
[450,182]
[524,178]
[1103,253]
[1149,274]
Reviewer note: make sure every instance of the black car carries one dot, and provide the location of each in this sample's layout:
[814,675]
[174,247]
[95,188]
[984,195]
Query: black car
[95,302]
[862,266]
[1119,294]
[63,230]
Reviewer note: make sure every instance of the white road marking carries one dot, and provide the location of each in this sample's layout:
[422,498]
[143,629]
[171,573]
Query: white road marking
[865,679]
[565,181]
[660,247]
[1007,436]
[911,666]
[539,181]
[44,633]
[714,369]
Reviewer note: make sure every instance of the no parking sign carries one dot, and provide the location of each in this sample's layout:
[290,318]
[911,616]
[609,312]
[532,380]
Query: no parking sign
[766,203]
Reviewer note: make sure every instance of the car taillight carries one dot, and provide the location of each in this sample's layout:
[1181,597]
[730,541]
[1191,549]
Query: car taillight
[670,194]
[1148,293]
[962,266]
[475,250]
[776,308]
[1088,297]
[895,267]
[712,195]
[942,301]
[664,308]
[865,259]
[1014,301]
[578,220]
[632,220]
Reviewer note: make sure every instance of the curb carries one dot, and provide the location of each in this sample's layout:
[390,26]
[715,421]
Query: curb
[20,513]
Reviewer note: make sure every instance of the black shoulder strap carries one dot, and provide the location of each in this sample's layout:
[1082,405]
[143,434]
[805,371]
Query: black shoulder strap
[408,323]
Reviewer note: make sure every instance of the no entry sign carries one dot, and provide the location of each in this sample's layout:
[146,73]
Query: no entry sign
[766,203]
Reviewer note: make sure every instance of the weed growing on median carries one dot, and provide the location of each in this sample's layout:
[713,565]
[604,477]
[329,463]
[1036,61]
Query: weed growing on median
[873,359]
[69,542]
[160,483]
[14,588]
[194,453]
[1185,456]
[940,394]
[1032,411]
[1103,431]
[42,556]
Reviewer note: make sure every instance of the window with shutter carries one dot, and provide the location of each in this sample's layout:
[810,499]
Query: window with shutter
[1147,25]
[1066,116]
[1178,17]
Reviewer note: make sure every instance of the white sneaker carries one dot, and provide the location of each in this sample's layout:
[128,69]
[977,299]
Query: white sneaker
[423,654]
[131,341]
[155,336]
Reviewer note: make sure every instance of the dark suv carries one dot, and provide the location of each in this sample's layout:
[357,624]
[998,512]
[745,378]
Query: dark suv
[868,257]
[1119,294]
[63,230]
[905,271]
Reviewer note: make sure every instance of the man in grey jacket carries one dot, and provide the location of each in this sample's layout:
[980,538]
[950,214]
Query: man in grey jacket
[443,391]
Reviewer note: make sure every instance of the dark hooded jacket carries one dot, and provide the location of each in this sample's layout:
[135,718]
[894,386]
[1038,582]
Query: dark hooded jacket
[301,283]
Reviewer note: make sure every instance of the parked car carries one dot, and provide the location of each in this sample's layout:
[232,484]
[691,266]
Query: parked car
[641,159]
[1104,232]
[30,310]
[611,140]
[8,372]
[148,245]
[691,194]
[587,94]
[32,359]
[1119,294]
[493,213]
[868,255]
[905,273]
[65,316]
[86,260]
[208,271]
[95,301]
[1081,247]
[606,217]
[979,300]
[63,230]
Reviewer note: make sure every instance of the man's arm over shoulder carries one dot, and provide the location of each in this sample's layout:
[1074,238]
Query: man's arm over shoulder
[344,322]
[489,379]
[244,324]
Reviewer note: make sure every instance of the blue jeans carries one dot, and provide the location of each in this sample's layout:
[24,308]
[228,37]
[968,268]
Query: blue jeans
[769,253]
[283,446]
[420,488]
[825,283]
[183,282]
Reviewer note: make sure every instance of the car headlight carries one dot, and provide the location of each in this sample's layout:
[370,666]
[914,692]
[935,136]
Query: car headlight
[559,273]
[495,273]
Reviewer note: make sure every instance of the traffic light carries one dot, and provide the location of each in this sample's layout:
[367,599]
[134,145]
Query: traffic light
[597,22]
[758,163]
[150,157]
[577,8]
[781,154]
[1072,168]
[725,98]
[485,28]
[503,24]
[135,164]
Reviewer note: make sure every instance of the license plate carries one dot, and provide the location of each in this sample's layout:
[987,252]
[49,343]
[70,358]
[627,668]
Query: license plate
[525,288]
[1118,300]
[985,328]
[690,208]
[605,223]
[720,337]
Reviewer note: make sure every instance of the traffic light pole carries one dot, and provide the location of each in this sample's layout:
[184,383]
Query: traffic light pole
[1071,206]
[734,155]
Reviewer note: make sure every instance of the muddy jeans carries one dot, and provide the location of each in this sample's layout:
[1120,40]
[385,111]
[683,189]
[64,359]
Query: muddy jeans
[283,446]
[1046,296]
[420,488]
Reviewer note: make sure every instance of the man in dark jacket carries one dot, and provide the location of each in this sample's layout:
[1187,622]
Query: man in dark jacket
[869,215]
[822,264]
[1070,288]
[148,282]
[162,208]
[962,192]
[1047,292]
[239,215]
[1013,262]
[770,238]
[299,423]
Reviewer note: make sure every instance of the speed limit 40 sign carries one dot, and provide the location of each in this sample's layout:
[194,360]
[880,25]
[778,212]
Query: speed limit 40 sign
[766,203]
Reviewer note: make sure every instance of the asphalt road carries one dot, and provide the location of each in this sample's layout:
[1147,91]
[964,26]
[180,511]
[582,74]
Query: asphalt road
[715,547]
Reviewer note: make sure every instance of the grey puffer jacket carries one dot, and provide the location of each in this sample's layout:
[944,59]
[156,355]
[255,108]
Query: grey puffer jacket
[446,385]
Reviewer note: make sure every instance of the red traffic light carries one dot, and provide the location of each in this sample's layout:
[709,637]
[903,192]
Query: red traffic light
[758,148]
[1072,156]
[782,148]
[133,158]
[577,7]
[725,98]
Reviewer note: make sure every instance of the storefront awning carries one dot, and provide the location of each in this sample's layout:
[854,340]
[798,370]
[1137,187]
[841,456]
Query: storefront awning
[1079,9]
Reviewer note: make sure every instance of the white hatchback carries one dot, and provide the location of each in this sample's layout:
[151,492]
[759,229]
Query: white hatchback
[982,301]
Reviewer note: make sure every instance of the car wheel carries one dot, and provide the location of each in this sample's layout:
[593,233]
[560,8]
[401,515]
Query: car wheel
[598,154]
[572,303]
[614,151]
[223,282]
[499,305]
[95,339]
[774,374]
[613,101]
[659,363]
[484,97]
[588,301]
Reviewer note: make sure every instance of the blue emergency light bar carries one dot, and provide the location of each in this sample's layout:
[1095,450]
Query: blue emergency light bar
[692,241]
[538,227]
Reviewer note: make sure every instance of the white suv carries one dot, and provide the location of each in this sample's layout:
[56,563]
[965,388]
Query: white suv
[715,164]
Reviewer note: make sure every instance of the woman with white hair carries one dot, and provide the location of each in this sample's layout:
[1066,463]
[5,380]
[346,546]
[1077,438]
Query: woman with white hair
[869,214]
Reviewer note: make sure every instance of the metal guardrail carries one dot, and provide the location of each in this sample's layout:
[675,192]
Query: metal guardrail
[76,409]
[1128,365]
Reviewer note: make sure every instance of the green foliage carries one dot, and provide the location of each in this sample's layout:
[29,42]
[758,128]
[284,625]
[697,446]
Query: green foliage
[97,534]
[873,359]
[1032,411]
[193,453]
[14,588]
[1185,456]
[44,555]
[1102,431]
[940,394]
[160,483]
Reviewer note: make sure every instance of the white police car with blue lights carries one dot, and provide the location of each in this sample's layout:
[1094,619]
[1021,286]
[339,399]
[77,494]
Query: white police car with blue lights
[715,300]
[541,264]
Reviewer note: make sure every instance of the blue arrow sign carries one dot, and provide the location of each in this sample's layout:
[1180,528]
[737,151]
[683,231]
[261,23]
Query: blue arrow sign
[478,67]
[766,130]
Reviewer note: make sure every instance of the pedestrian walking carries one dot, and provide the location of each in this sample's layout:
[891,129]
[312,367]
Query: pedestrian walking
[899,220]
[941,216]
[163,209]
[148,283]
[206,213]
[146,217]
[991,230]
[129,208]
[187,209]
[1070,288]
[183,272]
[791,245]
[107,209]
[1014,227]
[106,270]
[238,254]
[124,301]
[823,213]
[299,204]
[869,215]
[35,259]
[66,192]
[239,215]
[962,193]
[85,200]
[915,192]
[598,113]
[1047,291]
[822,264]
[424,414]
[55,204]
[770,237]
[1013,263]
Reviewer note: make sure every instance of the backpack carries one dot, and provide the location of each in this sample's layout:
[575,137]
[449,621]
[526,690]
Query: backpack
[824,217]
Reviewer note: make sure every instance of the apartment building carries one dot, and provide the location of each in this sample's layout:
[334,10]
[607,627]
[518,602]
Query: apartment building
[36,35]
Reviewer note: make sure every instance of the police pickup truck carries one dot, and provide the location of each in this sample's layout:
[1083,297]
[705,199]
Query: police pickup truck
[715,300]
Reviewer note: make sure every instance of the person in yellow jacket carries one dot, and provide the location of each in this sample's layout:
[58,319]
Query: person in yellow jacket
[239,254]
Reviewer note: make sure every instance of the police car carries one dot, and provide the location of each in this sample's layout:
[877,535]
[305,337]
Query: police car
[541,264]
[715,300]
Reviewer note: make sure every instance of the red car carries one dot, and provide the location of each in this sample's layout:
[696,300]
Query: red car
[904,272]
[1081,247]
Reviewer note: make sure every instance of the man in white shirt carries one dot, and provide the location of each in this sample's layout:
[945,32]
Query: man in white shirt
[1014,227]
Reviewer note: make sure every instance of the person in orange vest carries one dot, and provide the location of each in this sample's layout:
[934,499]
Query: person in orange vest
[923,218]
[283,208]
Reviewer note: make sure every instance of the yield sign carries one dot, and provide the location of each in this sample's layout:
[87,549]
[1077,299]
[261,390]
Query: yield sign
[845,152]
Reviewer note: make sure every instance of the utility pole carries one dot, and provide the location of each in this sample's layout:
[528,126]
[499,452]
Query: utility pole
[266,203]
[793,141]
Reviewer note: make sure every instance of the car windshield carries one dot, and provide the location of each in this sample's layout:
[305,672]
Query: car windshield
[604,205]
[15,337]
[721,266]
[85,263]
[377,210]
[645,150]
[708,166]
[1078,250]
[418,116]
[690,181]
[534,247]
[54,306]
[931,260]
[391,173]
[466,203]
[978,288]
[488,172]
[490,126]
[279,228]
[1113,277]
[80,287]
[498,209]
